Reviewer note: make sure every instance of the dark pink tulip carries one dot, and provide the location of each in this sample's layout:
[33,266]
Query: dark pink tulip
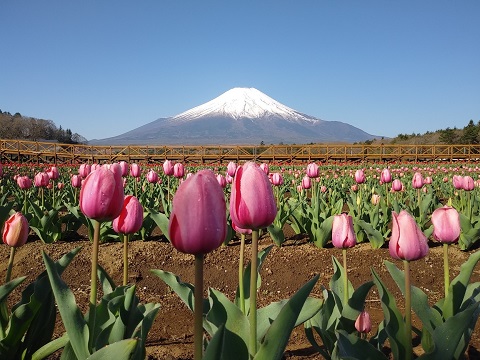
[41,179]
[84,170]
[385,176]
[168,168]
[343,235]
[252,204]
[306,182]
[24,182]
[231,168]
[312,170]
[178,170]
[152,176]
[76,181]
[198,222]
[446,224]
[229,179]
[397,185]
[53,173]
[101,196]
[124,168]
[15,230]
[359,176]
[468,184]
[407,241]
[363,323]
[135,170]
[222,181]
[277,179]
[417,181]
[130,219]
[457,182]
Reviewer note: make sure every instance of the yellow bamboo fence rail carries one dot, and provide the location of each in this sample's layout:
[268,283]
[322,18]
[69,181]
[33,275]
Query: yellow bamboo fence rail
[51,152]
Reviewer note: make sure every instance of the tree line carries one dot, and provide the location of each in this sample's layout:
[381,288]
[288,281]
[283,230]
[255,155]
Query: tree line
[21,127]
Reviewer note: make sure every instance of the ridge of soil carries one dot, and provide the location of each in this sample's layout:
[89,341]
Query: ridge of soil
[284,271]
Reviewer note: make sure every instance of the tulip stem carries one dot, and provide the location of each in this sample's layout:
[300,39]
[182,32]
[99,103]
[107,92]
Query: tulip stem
[240,273]
[25,202]
[446,269]
[125,258]
[198,307]
[345,278]
[10,264]
[408,312]
[93,279]
[253,295]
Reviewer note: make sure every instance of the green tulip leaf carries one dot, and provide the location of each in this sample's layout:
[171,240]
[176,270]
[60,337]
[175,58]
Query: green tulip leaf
[50,347]
[108,285]
[394,324]
[276,233]
[72,317]
[120,350]
[354,307]
[8,287]
[374,236]
[276,338]
[161,220]
[430,317]
[216,346]
[336,282]
[236,333]
[350,346]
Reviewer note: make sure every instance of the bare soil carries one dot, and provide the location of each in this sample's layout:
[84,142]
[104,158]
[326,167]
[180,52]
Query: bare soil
[284,271]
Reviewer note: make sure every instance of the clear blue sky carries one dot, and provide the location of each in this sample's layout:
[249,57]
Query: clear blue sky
[102,68]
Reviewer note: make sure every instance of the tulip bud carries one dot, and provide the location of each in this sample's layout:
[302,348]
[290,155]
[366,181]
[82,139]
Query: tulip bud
[385,176]
[222,181]
[312,170]
[84,170]
[101,196]
[231,168]
[265,168]
[343,235]
[457,182]
[41,179]
[198,222]
[407,241]
[53,173]
[397,185]
[306,182]
[76,181]
[363,323]
[252,204]
[178,170]
[446,224]
[168,168]
[130,219]
[124,168]
[15,230]
[359,176]
[135,170]
[152,176]
[277,179]
[24,182]
[468,184]
[417,181]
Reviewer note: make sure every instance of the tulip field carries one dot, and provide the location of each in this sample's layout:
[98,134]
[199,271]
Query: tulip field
[134,261]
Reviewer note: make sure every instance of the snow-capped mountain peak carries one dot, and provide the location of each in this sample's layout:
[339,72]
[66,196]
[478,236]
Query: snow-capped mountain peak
[248,103]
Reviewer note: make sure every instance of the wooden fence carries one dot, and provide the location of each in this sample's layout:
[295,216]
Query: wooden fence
[50,152]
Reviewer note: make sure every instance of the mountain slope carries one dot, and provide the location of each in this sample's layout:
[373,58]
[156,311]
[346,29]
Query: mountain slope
[239,116]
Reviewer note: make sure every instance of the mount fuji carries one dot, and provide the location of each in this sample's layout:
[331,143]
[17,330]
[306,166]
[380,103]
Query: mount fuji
[243,116]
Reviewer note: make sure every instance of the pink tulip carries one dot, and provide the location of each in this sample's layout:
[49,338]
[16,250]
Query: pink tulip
[135,170]
[385,176]
[363,323]
[199,226]
[359,176]
[15,230]
[306,182]
[457,182]
[168,168]
[41,179]
[152,177]
[277,179]
[312,170]
[124,168]
[229,179]
[252,204]
[397,185]
[446,224]
[407,241]
[222,181]
[428,180]
[240,230]
[343,235]
[84,170]
[231,168]
[178,170]
[53,173]
[468,184]
[265,168]
[323,189]
[354,187]
[24,182]
[101,196]
[417,181]
[130,219]
[60,185]
[76,181]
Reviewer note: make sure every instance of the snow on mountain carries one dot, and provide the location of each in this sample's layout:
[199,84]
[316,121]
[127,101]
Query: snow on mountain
[247,103]
[239,116]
